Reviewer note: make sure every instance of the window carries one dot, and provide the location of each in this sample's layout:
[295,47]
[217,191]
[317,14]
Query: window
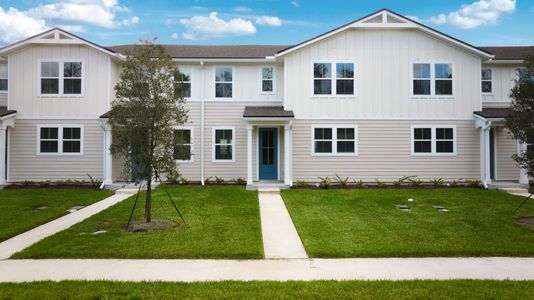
[486,81]
[3,77]
[432,79]
[183,149]
[223,82]
[334,140]
[60,139]
[324,75]
[182,82]
[433,140]
[523,74]
[267,80]
[223,144]
[61,78]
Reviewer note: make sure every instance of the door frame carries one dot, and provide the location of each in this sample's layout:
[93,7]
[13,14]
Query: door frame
[277,151]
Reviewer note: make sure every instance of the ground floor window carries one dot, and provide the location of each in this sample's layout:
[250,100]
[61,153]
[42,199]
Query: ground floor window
[223,144]
[433,139]
[183,149]
[60,139]
[334,140]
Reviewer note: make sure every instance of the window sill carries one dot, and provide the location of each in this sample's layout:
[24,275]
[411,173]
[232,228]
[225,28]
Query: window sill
[3,92]
[59,154]
[61,96]
[333,97]
[223,161]
[184,161]
[335,154]
[432,97]
[433,154]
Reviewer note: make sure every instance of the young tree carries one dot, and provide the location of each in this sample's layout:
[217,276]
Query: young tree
[148,106]
[520,120]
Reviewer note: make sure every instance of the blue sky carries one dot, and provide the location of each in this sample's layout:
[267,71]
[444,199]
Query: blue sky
[110,22]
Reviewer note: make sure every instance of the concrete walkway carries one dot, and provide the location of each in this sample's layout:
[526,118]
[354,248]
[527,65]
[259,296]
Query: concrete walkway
[497,268]
[280,238]
[21,241]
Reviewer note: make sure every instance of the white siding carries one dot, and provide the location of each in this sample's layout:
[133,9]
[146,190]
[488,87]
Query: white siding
[503,80]
[3,94]
[505,147]
[383,61]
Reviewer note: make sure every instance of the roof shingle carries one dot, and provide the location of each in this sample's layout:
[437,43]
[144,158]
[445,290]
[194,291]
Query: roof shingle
[6,112]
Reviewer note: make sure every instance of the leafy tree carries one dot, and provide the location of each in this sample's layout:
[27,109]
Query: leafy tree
[148,105]
[520,120]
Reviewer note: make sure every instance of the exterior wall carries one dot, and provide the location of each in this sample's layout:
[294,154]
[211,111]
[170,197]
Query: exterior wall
[384,152]
[383,62]
[505,147]
[3,94]
[26,164]
[503,81]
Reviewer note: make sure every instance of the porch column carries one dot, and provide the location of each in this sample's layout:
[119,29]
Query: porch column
[108,178]
[287,153]
[3,168]
[249,154]
[487,158]
[523,176]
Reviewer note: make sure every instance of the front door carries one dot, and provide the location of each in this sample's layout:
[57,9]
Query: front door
[268,153]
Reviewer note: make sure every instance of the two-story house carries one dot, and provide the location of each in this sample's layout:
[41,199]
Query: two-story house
[379,98]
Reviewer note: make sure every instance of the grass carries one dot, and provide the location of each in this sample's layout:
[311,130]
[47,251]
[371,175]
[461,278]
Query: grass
[453,289]
[366,223]
[17,213]
[222,222]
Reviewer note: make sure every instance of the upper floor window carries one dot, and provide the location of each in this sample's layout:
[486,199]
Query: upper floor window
[324,75]
[184,145]
[182,82]
[60,139]
[3,77]
[523,74]
[61,78]
[223,82]
[487,81]
[433,140]
[334,140]
[432,79]
[267,80]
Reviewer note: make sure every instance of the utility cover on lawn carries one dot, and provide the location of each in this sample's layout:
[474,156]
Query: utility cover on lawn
[154,225]
[404,207]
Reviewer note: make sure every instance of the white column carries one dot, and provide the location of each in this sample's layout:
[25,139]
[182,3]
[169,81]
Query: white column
[287,155]
[523,176]
[107,154]
[487,158]
[482,154]
[2,155]
[249,154]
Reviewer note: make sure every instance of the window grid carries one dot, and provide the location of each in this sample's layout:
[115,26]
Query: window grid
[224,143]
[487,85]
[337,78]
[440,77]
[3,78]
[66,138]
[267,80]
[185,144]
[345,135]
[58,87]
[442,139]
[183,81]
[223,82]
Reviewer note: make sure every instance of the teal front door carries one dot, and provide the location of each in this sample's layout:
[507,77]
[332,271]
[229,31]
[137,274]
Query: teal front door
[268,153]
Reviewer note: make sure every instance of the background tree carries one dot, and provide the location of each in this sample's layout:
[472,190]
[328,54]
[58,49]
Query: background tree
[148,106]
[520,120]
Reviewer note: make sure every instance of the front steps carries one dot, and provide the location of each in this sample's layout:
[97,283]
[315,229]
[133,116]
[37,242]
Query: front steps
[278,185]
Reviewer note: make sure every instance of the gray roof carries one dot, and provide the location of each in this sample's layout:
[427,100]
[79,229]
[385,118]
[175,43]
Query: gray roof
[267,112]
[509,53]
[493,112]
[212,51]
[5,112]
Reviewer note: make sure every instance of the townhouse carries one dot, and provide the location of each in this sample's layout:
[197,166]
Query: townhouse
[379,98]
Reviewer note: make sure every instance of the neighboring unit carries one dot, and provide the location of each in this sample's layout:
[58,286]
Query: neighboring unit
[379,98]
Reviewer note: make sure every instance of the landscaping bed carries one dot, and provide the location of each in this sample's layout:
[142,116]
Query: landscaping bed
[383,223]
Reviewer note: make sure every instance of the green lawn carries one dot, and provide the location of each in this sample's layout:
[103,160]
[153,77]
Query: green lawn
[222,222]
[17,213]
[454,289]
[366,223]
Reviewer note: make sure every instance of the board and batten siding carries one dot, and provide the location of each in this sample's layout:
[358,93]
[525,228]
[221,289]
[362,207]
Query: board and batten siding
[505,167]
[3,99]
[383,62]
[26,164]
[503,80]
[384,153]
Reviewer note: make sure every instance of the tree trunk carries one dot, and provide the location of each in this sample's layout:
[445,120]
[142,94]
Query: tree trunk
[148,206]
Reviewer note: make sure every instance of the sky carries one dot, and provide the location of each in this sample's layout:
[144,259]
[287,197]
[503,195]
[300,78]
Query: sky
[113,22]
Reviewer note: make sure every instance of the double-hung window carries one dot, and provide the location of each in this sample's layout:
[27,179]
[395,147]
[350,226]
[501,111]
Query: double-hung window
[183,148]
[432,79]
[487,76]
[223,144]
[182,82]
[267,80]
[334,140]
[433,140]
[60,139]
[333,79]
[3,77]
[223,82]
[61,77]
[443,79]
[523,74]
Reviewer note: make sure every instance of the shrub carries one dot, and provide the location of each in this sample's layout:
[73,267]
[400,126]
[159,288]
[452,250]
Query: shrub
[324,182]
[456,183]
[240,181]
[219,180]
[360,184]
[184,180]
[438,181]
[302,184]
[208,179]
[379,183]
[342,182]
[474,183]
[415,182]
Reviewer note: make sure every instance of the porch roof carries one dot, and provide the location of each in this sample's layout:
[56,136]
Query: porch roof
[267,112]
[4,112]
[493,112]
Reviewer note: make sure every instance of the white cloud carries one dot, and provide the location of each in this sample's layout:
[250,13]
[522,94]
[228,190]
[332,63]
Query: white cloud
[174,36]
[269,21]
[242,9]
[476,14]
[72,28]
[202,27]
[415,18]
[295,3]
[16,25]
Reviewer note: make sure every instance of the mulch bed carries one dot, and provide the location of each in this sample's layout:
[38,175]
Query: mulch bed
[57,186]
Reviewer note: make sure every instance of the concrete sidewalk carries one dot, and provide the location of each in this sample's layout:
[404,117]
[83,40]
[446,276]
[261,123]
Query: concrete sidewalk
[497,268]
[280,237]
[23,240]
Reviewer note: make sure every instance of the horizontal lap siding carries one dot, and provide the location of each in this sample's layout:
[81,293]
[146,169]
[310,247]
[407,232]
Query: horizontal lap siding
[25,164]
[3,99]
[505,147]
[384,152]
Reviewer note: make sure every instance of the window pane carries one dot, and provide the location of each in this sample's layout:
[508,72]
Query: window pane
[486,74]
[444,133]
[486,86]
[223,136]
[3,71]
[421,87]
[3,84]
[322,87]
[267,85]
[345,70]
[49,69]
[267,73]
[323,147]
[49,133]
[345,87]
[444,146]
[443,87]
[182,152]
[72,86]
[345,147]
[223,74]
[182,136]
[322,70]
[323,133]
[183,89]
[49,86]
[49,146]
[422,133]
[443,71]
[72,69]
[223,152]
[182,75]
[223,90]
[345,133]
[421,70]
[71,146]
[422,146]
[71,133]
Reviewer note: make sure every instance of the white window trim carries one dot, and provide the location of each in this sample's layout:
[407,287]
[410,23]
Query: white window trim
[334,139]
[60,78]
[215,128]
[192,143]
[333,79]
[190,69]
[7,78]
[215,82]
[60,139]
[433,80]
[482,80]
[261,80]
[433,140]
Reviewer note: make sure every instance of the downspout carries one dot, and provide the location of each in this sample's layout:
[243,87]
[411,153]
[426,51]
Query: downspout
[486,127]
[202,133]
